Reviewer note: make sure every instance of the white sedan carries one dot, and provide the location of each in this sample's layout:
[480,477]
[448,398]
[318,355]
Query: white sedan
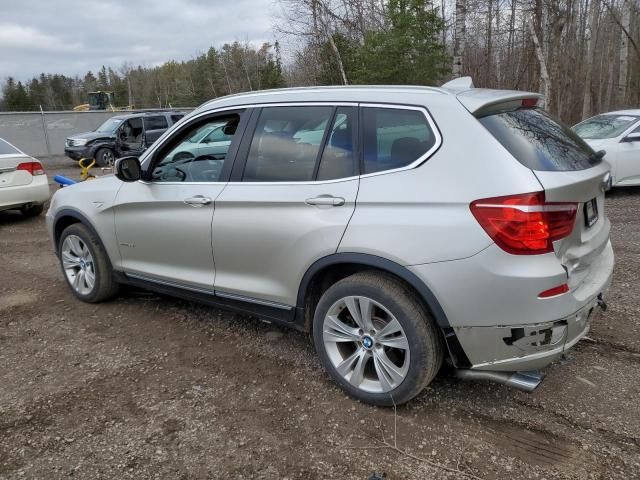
[618,134]
[23,182]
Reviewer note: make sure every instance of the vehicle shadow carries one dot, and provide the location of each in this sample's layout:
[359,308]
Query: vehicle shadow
[618,192]
[13,217]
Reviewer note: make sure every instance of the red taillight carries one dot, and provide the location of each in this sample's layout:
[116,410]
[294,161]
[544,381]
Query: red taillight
[552,292]
[529,102]
[34,168]
[524,224]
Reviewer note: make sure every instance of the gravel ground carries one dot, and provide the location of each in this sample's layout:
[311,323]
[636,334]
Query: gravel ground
[147,386]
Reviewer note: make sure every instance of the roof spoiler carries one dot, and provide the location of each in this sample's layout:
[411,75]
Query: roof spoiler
[460,83]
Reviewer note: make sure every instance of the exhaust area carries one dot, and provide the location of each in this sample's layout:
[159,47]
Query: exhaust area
[525,381]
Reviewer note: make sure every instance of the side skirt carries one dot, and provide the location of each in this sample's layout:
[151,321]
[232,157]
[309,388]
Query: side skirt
[281,315]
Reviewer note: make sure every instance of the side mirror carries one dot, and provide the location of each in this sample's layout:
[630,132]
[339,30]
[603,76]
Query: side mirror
[128,169]
[632,137]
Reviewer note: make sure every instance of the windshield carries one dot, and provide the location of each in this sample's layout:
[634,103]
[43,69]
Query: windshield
[6,149]
[605,126]
[539,142]
[109,126]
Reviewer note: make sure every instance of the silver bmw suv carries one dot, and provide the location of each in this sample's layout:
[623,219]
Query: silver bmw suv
[399,226]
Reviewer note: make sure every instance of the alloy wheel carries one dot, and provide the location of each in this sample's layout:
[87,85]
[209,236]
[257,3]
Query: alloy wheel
[366,344]
[78,264]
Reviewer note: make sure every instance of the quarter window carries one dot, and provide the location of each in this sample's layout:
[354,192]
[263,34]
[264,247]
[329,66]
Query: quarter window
[155,123]
[394,138]
[191,158]
[286,143]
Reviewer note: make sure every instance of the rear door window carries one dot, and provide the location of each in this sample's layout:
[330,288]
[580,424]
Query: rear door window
[155,123]
[394,138]
[539,142]
[338,158]
[286,143]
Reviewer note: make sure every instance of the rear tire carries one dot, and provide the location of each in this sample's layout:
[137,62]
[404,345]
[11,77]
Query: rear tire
[85,265]
[32,210]
[105,157]
[385,360]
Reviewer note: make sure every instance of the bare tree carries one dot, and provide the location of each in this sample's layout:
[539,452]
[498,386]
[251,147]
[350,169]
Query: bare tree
[460,38]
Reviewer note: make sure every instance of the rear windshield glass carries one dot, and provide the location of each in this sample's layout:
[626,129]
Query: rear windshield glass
[6,149]
[539,142]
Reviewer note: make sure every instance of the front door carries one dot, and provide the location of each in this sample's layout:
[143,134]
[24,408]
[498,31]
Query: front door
[163,223]
[292,193]
[131,137]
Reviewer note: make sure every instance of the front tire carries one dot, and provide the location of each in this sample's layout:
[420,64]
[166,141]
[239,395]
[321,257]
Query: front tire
[376,340]
[85,264]
[105,157]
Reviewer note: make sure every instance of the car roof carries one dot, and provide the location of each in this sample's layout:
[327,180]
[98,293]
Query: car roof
[473,99]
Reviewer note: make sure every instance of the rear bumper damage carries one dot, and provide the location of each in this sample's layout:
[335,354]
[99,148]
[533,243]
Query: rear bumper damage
[513,348]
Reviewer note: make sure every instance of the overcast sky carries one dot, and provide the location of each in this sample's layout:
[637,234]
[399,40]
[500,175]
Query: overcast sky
[74,36]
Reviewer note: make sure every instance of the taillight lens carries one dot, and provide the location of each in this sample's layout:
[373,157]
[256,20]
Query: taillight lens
[525,224]
[34,168]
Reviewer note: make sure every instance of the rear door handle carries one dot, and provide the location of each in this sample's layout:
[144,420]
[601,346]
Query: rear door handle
[197,201]
[326,200]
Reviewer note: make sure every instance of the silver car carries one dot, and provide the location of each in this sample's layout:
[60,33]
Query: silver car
[399,226]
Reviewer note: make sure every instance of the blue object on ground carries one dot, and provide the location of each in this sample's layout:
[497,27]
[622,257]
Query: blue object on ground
[63,181]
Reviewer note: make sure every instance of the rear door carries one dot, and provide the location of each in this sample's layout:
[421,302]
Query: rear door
[154,126]
[292,194]
[569,171]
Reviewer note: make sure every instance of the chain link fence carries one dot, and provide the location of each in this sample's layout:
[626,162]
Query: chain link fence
[42,134]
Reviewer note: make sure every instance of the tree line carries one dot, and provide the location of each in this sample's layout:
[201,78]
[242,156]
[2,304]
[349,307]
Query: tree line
[582,55]
[230,69]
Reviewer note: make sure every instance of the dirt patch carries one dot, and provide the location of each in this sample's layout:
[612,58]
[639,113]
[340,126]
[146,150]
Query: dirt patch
[17,299]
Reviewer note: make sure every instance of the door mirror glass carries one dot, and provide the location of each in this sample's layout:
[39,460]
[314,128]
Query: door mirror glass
[632,137]
[128,169]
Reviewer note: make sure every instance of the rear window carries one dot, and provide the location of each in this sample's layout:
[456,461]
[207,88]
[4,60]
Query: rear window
[6,149]
[539,142]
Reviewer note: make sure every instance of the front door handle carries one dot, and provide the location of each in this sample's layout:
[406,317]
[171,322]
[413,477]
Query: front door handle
[326,200]
[198,201]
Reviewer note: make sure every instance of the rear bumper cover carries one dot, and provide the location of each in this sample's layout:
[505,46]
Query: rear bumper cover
[499,322]
[515,348]
[35,192]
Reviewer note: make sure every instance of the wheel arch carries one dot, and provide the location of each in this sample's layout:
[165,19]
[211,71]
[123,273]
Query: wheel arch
[330,269]
[345,264]
[65,218]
